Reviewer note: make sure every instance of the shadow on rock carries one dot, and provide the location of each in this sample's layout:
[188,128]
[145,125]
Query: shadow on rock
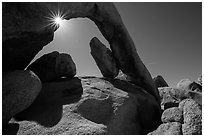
[10,129]
[149,111]
[48,107]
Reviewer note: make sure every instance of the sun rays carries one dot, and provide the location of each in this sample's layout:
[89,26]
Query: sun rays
[58,20]
[55,18]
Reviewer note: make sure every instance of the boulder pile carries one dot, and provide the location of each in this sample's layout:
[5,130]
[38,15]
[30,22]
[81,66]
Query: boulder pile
[189,85]
[182,110]
[186,119]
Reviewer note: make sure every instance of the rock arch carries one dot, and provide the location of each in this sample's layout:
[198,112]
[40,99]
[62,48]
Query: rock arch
[25,34]
[73,37]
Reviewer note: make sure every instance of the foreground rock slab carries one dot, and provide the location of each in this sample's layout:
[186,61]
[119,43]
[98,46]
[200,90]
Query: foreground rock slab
[19,90]
[106,106]
[103,58]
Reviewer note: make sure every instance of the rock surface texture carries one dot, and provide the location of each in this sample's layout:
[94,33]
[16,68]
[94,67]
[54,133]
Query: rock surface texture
[200,80]
[173,128]
[184,84]
[186,119]
[52,66]
[173,114]
[103,58]
[160,82]
[19,90]
[182,113]
[25,30]
[170,97]
[192,115]
[105,107]
[189,85]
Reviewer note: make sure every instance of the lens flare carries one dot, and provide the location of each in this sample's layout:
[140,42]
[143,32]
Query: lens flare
[58,20]
[55,18]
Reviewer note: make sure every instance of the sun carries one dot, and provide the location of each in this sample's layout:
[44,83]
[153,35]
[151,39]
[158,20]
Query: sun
[55,18]
[58,20]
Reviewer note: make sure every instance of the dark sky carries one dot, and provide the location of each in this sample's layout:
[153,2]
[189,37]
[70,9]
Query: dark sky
[167,36]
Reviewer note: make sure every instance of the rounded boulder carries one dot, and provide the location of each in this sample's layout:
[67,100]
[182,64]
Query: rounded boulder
[53,65]
[19,89]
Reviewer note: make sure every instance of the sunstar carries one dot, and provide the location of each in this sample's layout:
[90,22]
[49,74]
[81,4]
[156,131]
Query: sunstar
[55,18]
[58,20]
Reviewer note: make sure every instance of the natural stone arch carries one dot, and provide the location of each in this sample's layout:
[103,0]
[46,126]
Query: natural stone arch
[24,35]
[73,37]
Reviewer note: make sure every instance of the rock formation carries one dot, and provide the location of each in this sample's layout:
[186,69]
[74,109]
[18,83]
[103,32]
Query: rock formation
[19,90]
[182,113]
[106,106]
[122,76]
[129,104]
[53,65]
[173,128]
[103,58]
[173,114]
[171,97]
[196,96]
[184,84]
[192,115]
[200,80]
[186,119]
[26,30]
[195,87]
[160,82]
[189,85]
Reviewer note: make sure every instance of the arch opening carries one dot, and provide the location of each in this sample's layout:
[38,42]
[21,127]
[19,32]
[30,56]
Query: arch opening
[73,37]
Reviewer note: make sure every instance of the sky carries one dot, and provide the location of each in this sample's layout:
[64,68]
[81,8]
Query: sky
[167,36]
